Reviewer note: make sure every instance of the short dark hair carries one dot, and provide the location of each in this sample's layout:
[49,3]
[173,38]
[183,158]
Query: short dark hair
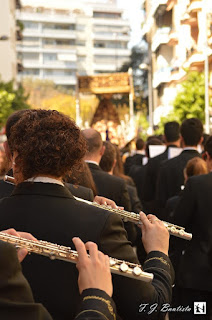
[191,131]
[93,139]
[140,144]
[172,131]
[108,157]
[47,142]
[208,146]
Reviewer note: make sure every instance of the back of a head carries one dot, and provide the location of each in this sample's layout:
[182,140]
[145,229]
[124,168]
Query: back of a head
[12,119]
[196,166]
[93,139]
[108,157]
[47,142]
[172,131]
[191,130]
[208,146]
[140,144]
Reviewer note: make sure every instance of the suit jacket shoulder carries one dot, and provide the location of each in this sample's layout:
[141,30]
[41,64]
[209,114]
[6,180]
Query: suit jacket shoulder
[110,186]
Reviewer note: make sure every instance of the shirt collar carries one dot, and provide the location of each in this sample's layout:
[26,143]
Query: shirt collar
[45,180]
[90,161]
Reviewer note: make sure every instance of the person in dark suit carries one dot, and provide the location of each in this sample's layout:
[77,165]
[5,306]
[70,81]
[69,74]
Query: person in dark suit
[137,158]
[16,298]
[6,189]
[42,206]
[137,173]
[172,139]
[171,171]
[107,185]
[107,163]
[194,276]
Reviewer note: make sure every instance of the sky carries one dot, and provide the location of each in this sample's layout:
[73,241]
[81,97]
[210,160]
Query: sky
[134,13]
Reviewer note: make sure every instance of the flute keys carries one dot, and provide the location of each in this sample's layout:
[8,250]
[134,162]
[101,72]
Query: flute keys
[112,262]
[137,271]
[123,267]
[173,230]
[182,232]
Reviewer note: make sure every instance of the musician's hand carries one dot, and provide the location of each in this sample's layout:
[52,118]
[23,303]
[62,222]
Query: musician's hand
[105,201]
[155,236]
[94,272]
[21,252]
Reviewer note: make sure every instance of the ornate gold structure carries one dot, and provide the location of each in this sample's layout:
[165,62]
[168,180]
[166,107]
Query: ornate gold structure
[106,119]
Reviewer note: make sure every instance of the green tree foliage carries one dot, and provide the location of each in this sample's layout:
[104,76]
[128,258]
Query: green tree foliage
[189,101]
[11,100]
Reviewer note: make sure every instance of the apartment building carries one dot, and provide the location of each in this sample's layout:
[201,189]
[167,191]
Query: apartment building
[176,31]
[8,34]
[63,38]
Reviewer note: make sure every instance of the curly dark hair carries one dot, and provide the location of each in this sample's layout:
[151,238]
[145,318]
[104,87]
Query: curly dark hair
[47,142]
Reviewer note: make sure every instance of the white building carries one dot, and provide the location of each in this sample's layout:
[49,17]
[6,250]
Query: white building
[8,32]
[177,32]
[62,38]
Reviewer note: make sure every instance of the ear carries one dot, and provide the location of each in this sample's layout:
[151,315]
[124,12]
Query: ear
[7,151]
[114,163]
[208,157]
[102,150]
[182,143]
[201,140]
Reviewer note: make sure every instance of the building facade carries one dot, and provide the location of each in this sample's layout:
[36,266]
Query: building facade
[8,35]
[63,38]
[179,34]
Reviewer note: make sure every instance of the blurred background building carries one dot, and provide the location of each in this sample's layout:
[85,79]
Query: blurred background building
[9,32]
[176,32]
[62,38]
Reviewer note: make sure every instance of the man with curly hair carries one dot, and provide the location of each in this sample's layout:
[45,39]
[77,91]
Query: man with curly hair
[45,146]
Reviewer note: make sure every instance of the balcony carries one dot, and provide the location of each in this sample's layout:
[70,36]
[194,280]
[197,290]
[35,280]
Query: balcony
[46,48]
[61,80]
[50,33]
[190,19]
[195,59]
[49,64]
[161,76]
[110,36]
[170,4]
[195,6]
[111,51]
[173,38]
[43,17]
[161,37]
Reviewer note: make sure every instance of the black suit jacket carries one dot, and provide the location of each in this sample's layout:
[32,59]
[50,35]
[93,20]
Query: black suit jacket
[136,159]
[111,187]
[171,176]
[16,299]
[49,212]
[194,213]
[7,188]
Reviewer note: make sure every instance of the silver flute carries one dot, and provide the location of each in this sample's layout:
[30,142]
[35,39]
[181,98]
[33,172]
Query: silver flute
[173,229]
[55,251]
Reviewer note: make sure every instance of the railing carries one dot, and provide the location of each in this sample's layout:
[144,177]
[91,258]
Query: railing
[161,37]
[163,75]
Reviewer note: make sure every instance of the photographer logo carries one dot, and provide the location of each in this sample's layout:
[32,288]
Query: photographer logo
[199,307]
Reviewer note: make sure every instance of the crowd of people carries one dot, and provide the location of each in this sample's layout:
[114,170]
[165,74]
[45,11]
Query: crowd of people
[53,162]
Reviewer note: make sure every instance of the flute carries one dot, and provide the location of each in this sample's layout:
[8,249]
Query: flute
[55,251]
[173,229]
